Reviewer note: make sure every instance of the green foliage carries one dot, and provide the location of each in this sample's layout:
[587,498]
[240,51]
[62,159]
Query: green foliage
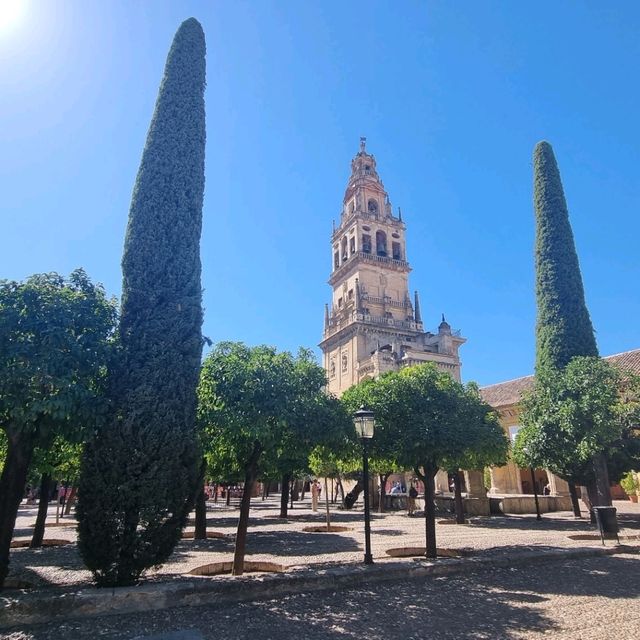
[140,472]
[563,328]
[423,416]
[630,483]
[61,461]
[573,415]
[55,345]
[250,395]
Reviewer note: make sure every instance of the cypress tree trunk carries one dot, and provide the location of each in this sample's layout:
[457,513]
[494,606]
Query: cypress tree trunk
[457,488]
[43,506]
[138,475]
[284,496]
[12,483]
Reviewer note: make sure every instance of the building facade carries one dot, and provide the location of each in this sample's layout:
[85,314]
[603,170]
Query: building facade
[506,398]
[372,324]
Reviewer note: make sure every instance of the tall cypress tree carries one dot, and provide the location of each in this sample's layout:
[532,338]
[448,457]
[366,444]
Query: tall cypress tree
[139,474]
[563,328]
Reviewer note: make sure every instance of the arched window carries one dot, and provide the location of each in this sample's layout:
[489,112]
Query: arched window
[345,255]
[366,243]
[381,243]
[372,206]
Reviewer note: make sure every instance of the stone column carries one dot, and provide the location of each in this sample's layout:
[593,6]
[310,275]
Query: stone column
[476,503]
[442,481]
[506,480]
[475,484]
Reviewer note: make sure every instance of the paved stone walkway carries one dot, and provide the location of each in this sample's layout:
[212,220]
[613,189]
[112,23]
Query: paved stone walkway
[284,541]
[587,599]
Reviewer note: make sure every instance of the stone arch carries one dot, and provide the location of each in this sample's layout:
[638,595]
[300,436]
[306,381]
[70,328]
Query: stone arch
[381,243]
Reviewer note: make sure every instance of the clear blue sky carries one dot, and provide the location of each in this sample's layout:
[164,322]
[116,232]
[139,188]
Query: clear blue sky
[452,97]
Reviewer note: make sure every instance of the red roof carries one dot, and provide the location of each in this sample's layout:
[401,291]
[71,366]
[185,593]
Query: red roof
[507,393]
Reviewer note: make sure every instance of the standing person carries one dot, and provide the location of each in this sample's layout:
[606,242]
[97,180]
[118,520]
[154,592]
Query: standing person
[411,500]
[314,495]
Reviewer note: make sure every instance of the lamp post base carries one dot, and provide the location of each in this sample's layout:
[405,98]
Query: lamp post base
[368,558]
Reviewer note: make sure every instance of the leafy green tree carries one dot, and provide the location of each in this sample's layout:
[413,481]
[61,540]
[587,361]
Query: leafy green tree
[427,415]
[253,402]
[563,327]
[140,473]
[486,442]
[575,415]
[381,450]
[54,347]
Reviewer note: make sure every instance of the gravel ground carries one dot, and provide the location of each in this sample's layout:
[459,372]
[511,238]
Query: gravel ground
[588,599]
[284,541]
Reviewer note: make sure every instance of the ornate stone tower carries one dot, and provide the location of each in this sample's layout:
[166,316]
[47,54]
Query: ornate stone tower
[372,326]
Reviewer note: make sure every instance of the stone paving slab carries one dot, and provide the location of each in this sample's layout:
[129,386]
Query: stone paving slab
[310,560]
[47,606]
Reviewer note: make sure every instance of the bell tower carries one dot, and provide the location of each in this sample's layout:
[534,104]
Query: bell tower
[371,325]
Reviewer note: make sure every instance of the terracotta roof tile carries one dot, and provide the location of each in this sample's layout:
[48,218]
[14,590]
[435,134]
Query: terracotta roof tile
[507,393]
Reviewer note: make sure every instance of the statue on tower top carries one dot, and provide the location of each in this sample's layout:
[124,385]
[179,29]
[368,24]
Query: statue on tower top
[363,142]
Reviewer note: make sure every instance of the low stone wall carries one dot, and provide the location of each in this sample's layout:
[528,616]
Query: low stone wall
[520,504]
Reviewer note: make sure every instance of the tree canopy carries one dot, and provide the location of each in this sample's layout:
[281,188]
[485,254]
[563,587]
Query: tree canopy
[263,409]
[425,420]
[55,344]
[575,414]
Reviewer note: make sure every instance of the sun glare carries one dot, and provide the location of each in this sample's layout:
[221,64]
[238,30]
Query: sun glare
[11,12]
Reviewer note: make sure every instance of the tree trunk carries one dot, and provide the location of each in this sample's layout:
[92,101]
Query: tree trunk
[339,489]
[573,492]
[200,532]
[603,490]
[591,499]
[228,496]
[43,505]
[251,473]
[430,512]
[351,497]
[12,483]
[382,477]
[326,502]
[457,491]
[70,501]
[284,496]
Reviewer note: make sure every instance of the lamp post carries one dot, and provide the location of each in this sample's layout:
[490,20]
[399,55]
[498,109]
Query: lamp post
[364,423]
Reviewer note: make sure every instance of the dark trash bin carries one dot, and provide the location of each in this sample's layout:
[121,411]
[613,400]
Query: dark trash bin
[606,521]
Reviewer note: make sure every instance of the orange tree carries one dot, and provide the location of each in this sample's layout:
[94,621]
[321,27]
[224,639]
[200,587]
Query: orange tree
[424,419]
[254,404]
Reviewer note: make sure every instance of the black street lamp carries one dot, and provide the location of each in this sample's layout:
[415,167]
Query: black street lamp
[364,423]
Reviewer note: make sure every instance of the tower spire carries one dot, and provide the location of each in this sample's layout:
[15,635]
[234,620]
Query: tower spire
[416,308]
